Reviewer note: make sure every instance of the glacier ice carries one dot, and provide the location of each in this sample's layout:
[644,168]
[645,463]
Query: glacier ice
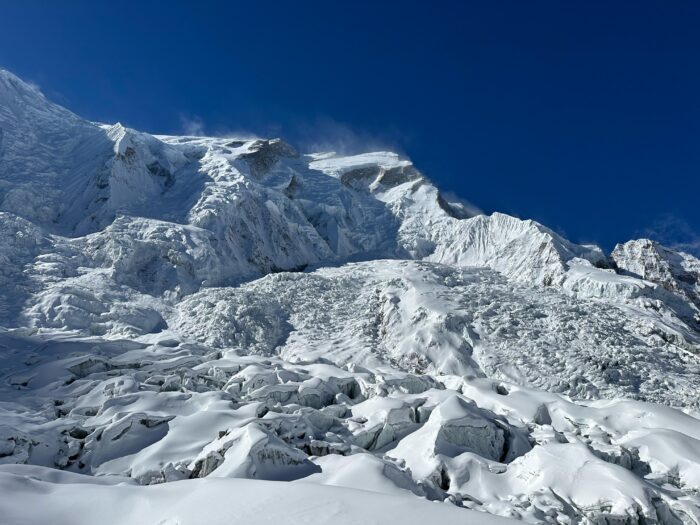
[177,308]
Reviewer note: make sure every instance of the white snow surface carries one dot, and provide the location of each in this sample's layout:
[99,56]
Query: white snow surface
[234,331]
[73,500]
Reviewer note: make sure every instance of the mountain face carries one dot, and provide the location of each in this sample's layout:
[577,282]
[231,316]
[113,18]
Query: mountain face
[189,307]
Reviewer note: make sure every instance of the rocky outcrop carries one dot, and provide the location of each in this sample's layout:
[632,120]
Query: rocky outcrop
[675,271]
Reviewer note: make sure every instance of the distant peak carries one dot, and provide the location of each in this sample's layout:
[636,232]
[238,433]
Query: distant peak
[29,105]
[9,82]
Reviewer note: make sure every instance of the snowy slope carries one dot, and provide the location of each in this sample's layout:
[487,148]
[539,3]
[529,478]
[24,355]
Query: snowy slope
[211,501]
[174,308]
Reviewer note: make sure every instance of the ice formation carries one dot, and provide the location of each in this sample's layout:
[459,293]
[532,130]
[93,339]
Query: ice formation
[321,337]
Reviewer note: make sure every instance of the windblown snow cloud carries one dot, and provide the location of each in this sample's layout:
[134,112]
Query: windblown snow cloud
[195,126]
[674,232]
[192,125]
[328,134]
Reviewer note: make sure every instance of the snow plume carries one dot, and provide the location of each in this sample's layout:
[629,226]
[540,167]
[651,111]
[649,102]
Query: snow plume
[323,134]
[192,125]
[470,207]
[35,86]
[674,232]
[327,134]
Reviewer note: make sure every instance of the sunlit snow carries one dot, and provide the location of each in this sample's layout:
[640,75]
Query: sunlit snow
[323,339]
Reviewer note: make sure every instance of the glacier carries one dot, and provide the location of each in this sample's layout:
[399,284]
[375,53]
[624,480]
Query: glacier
[231,329]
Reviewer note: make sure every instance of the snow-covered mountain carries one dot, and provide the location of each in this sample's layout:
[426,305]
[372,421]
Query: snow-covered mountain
[189,307]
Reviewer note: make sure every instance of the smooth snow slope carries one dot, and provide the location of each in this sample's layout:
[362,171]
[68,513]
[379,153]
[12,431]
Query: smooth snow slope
[188,307]
[71,500]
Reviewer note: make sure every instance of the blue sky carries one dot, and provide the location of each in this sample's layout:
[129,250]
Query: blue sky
[582,115]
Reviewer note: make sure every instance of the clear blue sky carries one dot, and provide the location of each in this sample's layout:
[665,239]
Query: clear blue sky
[582,115]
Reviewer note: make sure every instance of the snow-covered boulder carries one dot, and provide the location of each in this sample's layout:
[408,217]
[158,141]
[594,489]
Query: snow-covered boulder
[252,452]
[455,431]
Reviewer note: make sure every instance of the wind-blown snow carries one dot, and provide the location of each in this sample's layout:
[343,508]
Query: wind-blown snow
[178,308]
